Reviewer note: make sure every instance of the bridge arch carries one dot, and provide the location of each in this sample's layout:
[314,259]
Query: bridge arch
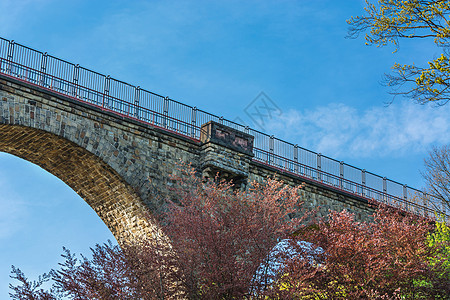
[103,189]
[119,167]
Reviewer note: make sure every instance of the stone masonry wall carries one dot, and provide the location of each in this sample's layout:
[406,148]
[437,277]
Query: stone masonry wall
[320,198]
[121,167]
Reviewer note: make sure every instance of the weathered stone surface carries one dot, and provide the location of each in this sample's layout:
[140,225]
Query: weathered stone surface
[121,167]
[315,196]
[213,132]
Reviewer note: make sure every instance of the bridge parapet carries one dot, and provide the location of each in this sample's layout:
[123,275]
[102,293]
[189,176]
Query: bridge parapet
[135,104]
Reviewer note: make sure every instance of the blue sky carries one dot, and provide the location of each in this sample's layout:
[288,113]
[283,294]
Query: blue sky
[218,56]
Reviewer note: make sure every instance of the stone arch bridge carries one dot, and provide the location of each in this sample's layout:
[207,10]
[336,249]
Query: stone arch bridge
[116,144]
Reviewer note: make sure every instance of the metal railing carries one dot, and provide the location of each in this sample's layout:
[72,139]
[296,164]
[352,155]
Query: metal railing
[107,93]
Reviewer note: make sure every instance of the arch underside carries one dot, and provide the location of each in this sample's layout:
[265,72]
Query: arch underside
[115,202]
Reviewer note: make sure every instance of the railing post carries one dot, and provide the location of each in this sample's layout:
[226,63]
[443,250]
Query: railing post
[137,96]
[5,59]
[425,204]
[296,158]
[221,120]
[194,121]
[106,92]
[384,189]
[405,196]
[271,150]
[341,175]
[319,166]
[44,69]
[76,71]
[9,57]
[363,181]
[166,112]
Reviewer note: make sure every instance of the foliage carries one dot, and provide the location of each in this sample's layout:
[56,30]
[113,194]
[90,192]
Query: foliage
[221,249]
[29,290]
[130,272]
[384,259]
[390,20]
[440,240]
[437,174]
[220,237]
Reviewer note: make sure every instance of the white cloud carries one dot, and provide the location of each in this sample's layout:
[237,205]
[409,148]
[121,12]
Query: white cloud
[340,130]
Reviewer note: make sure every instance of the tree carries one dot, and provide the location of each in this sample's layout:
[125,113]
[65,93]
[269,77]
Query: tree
[223,244]
[437,174]
[219,238]
[388,21]
[221,235]
[388,258]
[221,249]
[131,272]
[440,240]
[29,290]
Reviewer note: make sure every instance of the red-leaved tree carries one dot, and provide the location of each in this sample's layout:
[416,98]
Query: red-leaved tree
[222,248]
[220,236]
[131,272]
[388,258]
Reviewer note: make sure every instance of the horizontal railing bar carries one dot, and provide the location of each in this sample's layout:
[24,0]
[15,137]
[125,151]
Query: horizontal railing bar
[154,94]
[64,61]
[387,179]
[122,82]
[31,49]
[88,70]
